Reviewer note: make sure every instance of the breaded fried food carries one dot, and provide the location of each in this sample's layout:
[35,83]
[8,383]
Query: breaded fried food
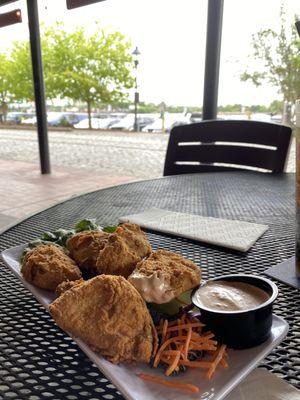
[108,314]
[66,285]
[124,249]
[47,265]
[164,276]
[85,246]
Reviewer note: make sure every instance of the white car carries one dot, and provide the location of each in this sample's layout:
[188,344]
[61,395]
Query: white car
[169,122]
[29,121]
[127,123]
[58,119]
[97,123]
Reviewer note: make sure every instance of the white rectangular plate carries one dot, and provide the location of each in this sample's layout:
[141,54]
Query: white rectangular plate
[241,362]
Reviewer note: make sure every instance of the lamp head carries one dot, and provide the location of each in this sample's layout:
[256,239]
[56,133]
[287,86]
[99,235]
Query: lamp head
[136,52]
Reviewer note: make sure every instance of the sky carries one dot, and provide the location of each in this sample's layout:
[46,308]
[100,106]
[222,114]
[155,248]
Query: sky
[171,37]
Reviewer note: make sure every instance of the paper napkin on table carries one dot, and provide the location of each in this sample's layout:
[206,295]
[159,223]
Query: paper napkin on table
[263,385]
[237,235]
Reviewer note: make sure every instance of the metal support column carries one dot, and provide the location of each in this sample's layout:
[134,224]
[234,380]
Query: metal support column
[39,88]
[212,58]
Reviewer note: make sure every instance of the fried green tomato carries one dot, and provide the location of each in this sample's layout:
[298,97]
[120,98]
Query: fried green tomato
[109,315]
[47,265]
[85,246]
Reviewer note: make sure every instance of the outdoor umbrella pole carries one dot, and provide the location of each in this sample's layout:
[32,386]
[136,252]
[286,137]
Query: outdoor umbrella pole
[212,58]
[39,88]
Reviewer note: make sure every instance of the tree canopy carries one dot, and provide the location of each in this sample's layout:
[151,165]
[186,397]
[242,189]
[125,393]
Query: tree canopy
[94,68]
[21,72]
[280,53]
[5,83]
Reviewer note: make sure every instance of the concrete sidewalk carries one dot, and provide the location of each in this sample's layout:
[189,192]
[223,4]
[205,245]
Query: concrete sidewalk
[23,190]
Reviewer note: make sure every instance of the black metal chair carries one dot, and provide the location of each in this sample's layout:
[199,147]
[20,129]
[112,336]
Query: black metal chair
[216,145]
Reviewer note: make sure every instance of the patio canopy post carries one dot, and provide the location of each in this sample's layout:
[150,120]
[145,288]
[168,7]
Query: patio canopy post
[39,88]
[212,58]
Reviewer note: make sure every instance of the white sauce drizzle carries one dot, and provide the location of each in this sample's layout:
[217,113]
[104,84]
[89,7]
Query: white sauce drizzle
[153,288]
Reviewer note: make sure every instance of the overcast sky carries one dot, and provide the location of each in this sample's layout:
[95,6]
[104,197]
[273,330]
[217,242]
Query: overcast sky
[170,35]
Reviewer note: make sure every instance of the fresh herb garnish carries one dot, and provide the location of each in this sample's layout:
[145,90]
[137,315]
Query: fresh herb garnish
[110,228]
[86,225]
[60,236]
[49,236]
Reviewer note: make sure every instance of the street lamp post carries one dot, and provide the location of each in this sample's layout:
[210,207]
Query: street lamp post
[136,54]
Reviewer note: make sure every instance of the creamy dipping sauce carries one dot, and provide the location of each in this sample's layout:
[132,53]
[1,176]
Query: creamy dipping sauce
[230,296]
[153,288]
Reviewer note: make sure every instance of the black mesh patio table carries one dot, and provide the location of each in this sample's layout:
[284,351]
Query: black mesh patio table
[39,361]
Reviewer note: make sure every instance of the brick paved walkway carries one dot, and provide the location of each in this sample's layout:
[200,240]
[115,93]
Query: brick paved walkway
[23,190]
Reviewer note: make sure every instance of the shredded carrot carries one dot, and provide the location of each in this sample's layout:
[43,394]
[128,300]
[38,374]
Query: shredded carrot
[196,364]
[195,335]
[187,343]
[224,363]
[164,330]
[161,349]
[174,364]
[175,328]
[179,328]
[170,352]
[166,359]
[180,339]
[216,361]
[183,386]
[202,346]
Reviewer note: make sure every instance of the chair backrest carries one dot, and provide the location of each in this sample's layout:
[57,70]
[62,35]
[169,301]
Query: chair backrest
[217,145]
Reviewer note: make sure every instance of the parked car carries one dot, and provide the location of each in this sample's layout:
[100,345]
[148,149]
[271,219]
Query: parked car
[64,119]
[276,118]
[16,117]
[29,121]
[196,117]
[170,121]
[59,119]
[127,123]
[97,123]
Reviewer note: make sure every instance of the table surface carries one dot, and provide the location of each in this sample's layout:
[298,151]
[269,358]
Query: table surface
[39,361]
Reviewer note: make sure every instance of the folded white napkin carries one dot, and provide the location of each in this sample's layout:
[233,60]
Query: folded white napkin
[263,385]
[237,235]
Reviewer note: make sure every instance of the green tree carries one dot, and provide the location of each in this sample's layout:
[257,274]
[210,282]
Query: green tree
[275,107]
[280,53]
[6,84]
[21,72]
[230,108]
[257,108]
[148,108]
[93,69]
